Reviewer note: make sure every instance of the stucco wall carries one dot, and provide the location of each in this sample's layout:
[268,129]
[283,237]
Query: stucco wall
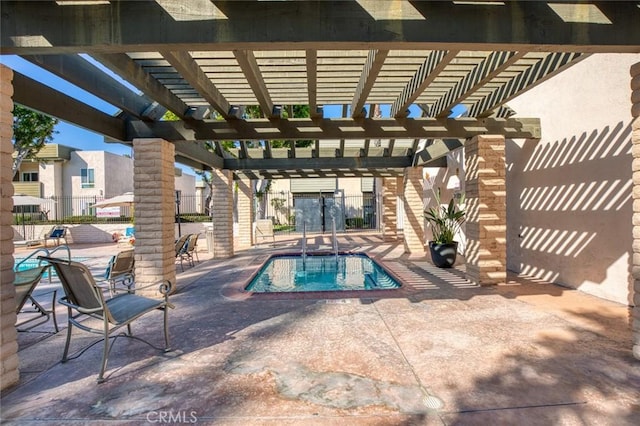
[117,174]
[186,183]
[569,195]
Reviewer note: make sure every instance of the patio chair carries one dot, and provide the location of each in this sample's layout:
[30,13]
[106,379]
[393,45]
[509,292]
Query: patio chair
[264,230]
[84,298]
[129,236]
[56,234]
[120,270]
[192,246]
[181,249]
[25,282]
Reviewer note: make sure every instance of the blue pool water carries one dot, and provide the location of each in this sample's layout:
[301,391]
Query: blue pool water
[32,263]
[290,273]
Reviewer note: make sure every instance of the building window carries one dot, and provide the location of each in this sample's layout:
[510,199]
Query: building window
[86,178]
[29,176]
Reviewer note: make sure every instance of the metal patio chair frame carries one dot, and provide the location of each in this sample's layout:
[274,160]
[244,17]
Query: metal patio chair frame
[25,282]
[181,246]
[85,297]
[56,234]
[191,250]
[120,270]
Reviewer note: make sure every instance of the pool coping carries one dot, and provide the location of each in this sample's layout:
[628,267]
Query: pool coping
[236,290]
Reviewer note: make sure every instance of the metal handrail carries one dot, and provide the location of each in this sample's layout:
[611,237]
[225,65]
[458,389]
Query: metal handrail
[335,237]
[61,247]
[47,253]
[40,250]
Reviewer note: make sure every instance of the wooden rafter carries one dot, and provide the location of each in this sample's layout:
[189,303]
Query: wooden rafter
[427,72]
[247,61]
[126,68]
[492,66]
[191,72]
[372,67]
[542,70]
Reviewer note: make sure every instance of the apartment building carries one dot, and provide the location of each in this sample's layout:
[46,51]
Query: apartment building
[74,179]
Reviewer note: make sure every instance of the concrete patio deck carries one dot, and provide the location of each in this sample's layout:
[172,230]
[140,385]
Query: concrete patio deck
[439,351]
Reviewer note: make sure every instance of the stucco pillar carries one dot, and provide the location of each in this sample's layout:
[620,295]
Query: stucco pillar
[390,209]
[8,335]
[245,216]
[635,270]
[486,210]
[413,211]
[222,212]
[154,214]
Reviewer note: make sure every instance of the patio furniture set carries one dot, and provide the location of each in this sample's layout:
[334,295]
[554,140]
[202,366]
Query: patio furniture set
[109,298]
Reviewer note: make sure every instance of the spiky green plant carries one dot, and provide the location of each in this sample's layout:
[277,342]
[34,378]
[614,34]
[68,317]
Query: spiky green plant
[445,221]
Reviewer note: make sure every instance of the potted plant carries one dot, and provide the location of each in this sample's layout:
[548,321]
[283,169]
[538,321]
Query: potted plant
[445,221]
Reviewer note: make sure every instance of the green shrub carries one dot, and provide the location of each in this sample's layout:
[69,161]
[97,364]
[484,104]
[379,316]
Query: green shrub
[283,228]
[354,222]
[187,218]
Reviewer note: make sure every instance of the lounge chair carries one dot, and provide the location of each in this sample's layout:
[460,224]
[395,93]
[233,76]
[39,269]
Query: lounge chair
[181,249]
[120,270]
[84,298]
[129,237]
[56,234]
[25,282]
[264,230]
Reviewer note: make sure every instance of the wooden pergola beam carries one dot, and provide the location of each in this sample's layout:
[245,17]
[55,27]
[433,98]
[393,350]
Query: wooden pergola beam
[117,27]
[335,128]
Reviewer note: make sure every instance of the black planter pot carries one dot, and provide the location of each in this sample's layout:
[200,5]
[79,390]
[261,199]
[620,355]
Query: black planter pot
[443,255]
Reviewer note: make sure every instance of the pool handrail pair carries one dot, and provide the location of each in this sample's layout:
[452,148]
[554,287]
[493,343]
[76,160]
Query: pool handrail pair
[43,251]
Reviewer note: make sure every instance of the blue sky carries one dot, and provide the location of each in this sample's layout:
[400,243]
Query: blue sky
[77,137]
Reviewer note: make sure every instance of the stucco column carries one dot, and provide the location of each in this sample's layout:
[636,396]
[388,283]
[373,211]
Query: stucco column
[390,209]
[245,216]
[486,210]
[8,335]
[154,214]
[635,269]
[222,212]
[413,211]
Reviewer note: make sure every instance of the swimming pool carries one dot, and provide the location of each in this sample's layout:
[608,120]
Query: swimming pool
[33,263]
[320,272]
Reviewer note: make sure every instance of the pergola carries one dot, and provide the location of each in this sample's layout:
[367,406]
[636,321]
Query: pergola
[204,57]
[206,60]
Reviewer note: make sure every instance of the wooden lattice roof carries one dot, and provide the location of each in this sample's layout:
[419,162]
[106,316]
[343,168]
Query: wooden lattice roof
[206,60]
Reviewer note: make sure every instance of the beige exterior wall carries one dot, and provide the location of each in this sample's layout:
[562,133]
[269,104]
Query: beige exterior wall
[186,184]
[569,200]
[350,186]
[113,174]
[9,373]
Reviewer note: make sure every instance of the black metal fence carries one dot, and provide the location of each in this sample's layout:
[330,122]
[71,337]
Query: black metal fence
[69,210]
[289,211]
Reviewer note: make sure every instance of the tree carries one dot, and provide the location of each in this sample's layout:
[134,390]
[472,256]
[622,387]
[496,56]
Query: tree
[31,131]
[262,186]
